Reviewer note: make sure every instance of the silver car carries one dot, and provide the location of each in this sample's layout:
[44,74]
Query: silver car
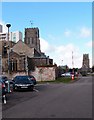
[68,74]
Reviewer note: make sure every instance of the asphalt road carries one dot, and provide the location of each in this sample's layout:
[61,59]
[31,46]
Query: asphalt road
[73,100]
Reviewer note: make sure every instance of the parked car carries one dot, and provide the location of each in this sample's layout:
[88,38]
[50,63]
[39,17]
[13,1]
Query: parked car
[33,79]
[2,91]
[7,83]
[84,73]
[68,74]
[22,83]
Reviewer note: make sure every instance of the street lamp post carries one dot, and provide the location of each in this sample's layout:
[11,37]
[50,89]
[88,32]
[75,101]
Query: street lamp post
[12,64]
[0,64]
[26,63]
[8,26]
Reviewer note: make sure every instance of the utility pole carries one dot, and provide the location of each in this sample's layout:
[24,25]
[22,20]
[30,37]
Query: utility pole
[72,63]
[8,26]
[72,67]
[72,60]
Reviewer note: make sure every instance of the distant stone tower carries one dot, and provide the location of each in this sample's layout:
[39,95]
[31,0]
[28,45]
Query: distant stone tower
[32,38]
[85,62]
[1,28]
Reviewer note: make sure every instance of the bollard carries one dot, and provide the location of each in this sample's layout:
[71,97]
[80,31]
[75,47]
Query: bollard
[72,77]
[4,99]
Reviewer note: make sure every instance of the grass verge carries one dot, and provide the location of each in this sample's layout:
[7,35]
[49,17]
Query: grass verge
[59,80]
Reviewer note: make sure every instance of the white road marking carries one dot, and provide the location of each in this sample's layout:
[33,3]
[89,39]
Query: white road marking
[36,90]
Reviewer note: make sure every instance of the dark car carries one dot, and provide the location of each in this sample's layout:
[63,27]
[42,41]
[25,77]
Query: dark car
[7,82]
[2,91]
[22,83]
[33,79]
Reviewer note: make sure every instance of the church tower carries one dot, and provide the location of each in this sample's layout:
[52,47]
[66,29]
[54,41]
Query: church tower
[32,38]
[85,62]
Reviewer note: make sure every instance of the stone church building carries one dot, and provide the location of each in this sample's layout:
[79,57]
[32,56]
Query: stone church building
[24,55]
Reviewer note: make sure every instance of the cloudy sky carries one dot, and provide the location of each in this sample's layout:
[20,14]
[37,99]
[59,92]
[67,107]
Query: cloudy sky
[65,27]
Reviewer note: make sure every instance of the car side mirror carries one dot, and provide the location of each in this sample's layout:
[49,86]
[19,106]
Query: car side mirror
[7,81]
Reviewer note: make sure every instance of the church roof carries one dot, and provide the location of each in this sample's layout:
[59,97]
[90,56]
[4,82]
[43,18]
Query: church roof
[21,48]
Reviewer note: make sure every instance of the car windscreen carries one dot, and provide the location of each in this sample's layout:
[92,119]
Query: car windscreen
[22,80]
[1,81]
[4,78]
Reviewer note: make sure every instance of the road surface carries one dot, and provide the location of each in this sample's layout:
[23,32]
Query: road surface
[53,100]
